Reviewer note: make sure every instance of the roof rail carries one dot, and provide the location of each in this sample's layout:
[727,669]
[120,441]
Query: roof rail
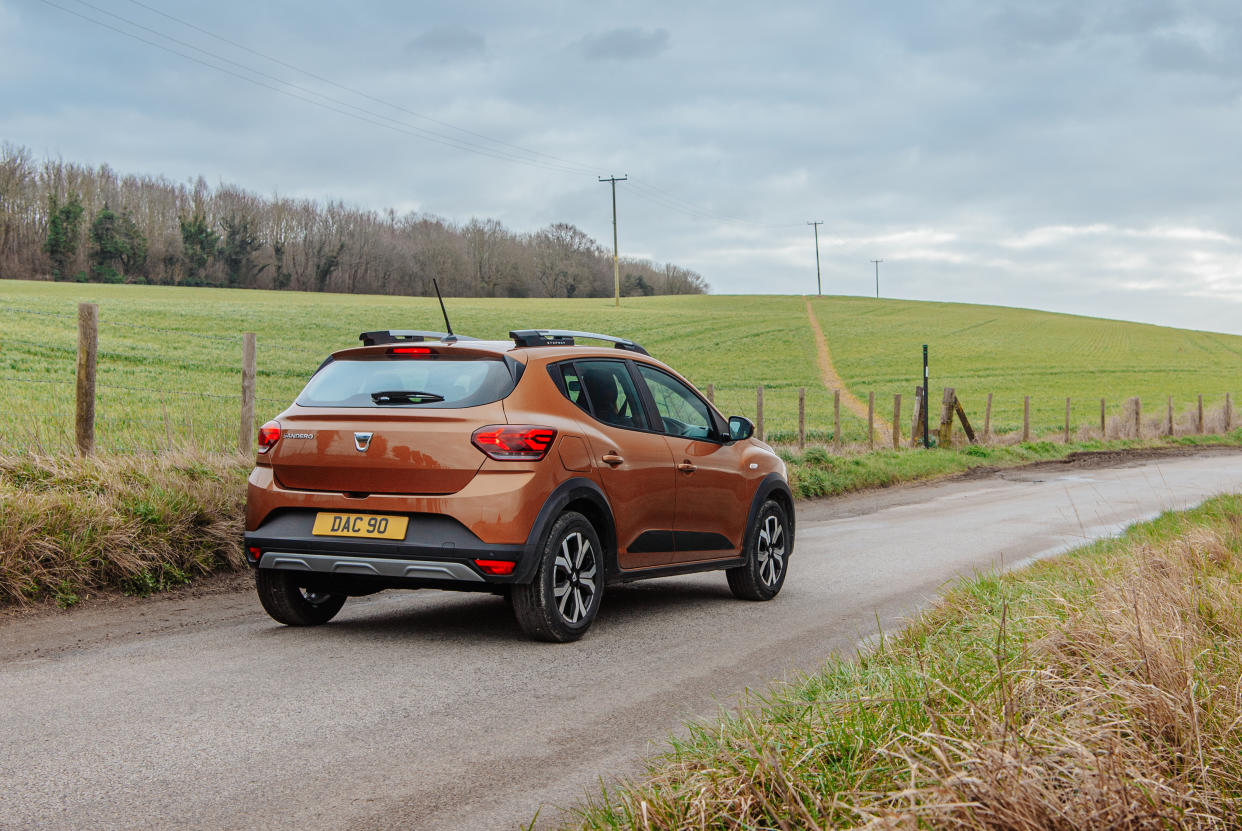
[408,335]
[565,337]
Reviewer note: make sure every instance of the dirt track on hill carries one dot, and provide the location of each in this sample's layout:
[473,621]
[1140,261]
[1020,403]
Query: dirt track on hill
[833,381]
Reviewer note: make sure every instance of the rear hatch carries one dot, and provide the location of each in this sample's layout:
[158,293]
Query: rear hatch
[378,422]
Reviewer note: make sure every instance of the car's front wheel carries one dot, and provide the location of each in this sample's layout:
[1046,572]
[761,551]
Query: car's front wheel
[562,600]
[768,545]
[289,600]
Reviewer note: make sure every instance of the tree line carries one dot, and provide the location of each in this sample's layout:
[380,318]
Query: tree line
[66,221]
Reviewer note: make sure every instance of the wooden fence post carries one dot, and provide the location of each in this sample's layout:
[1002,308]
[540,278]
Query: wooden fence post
[1200,422]
[711,393]
[945,435]
[801,417]
[987,420]
[916,419]
[759,412]
[1103,422]
[88,350]
[836,418]
[245,443]
[1138,417]
[1228,411]
[1168,429]
[897,421]
[871,420]
[1026,418]
[1067,420]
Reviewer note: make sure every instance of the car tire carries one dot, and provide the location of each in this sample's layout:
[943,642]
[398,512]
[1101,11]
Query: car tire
[288,601]
[767,555]
[560,603]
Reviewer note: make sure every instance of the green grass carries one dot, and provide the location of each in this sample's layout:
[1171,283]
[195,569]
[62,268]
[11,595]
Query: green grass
[877,345]
[1093,690]
[169,357]
[187,343]
[816,472]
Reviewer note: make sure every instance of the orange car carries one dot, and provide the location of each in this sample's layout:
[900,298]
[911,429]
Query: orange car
[537,468]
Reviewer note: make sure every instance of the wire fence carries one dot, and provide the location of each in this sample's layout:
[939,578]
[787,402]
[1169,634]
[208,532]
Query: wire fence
[162,387]
[156,387]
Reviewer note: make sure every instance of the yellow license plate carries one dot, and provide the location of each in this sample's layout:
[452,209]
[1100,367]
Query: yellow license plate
[374,526]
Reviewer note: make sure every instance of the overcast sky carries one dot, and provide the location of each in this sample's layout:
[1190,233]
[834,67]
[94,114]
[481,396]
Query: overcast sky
[1079,157]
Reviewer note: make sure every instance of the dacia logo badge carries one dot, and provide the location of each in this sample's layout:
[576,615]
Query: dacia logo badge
[362,441]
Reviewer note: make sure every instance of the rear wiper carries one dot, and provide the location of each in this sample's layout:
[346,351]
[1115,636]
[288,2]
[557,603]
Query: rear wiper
[405,397]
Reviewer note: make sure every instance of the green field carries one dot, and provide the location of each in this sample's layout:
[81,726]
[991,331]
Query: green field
[169,361]
[877,345]
[178,351]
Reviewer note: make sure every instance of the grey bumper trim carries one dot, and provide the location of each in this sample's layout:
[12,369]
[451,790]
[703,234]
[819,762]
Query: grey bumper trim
[368,566]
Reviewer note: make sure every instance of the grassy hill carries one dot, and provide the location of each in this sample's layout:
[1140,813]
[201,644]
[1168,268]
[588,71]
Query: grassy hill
[169,357]
[877,345]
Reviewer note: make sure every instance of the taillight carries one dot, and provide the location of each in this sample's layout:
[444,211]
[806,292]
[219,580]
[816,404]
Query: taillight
[499,567]
[269,434]
[255,553]
[514,442]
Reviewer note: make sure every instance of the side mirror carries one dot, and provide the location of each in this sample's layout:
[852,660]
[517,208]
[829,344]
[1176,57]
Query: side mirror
[740,428]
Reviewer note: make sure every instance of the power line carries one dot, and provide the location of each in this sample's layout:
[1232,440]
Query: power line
[392,124]
[581,167]
[504,151]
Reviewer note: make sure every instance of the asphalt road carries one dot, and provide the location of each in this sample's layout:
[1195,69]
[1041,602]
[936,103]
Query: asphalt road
[429,710]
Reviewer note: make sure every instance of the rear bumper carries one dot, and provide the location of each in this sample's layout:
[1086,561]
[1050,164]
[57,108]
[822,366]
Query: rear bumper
[382,567]
[437,550]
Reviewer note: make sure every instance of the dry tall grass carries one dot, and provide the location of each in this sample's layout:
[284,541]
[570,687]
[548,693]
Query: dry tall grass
[69,525]
[1102,690]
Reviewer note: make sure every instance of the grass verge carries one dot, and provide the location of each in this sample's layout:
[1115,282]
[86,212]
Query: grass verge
[1095,690]
[136,524]
[816,472]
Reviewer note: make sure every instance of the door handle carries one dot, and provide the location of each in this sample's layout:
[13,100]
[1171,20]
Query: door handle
[612,459]
[686,467]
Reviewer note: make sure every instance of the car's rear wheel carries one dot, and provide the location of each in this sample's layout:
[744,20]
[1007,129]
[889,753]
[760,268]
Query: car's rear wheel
[286,596]
[767,555]
[562,600]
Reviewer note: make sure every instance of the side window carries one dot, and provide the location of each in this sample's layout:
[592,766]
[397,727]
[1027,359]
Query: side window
[573,386]
[683,412]
[614,400]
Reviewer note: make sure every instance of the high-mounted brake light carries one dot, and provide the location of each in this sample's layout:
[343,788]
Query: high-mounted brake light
[514,442]
[500,567]
[410,350]
[269,434]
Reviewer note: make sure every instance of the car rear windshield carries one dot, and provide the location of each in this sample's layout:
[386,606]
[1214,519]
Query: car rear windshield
[423,383]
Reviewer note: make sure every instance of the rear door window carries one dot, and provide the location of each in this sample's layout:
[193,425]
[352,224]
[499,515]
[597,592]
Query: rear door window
[434,383]
[611,392]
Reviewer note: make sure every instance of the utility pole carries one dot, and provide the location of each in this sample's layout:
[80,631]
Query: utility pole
[877,278]
[819,289]
[616,267]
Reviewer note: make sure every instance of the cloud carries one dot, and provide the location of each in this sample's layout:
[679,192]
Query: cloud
[627,44]
[445,44]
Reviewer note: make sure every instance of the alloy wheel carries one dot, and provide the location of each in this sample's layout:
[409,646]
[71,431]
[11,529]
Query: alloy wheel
[771,550]
[573,578]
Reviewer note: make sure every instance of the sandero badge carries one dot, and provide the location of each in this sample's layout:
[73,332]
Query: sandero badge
[543,468]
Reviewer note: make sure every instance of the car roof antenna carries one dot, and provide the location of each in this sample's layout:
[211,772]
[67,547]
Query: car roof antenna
[447,325]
